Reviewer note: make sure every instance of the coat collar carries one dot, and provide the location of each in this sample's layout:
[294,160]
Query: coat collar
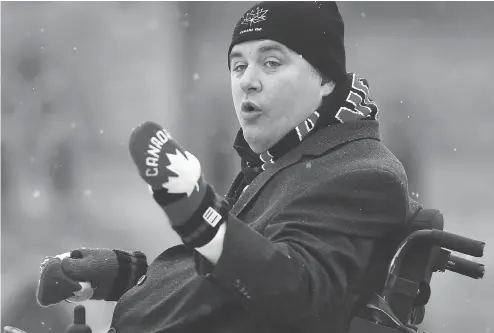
[317,144]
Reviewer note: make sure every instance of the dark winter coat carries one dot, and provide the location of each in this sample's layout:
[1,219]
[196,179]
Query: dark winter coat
[297,247]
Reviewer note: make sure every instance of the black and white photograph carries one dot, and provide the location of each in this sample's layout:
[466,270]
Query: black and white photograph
[247,167]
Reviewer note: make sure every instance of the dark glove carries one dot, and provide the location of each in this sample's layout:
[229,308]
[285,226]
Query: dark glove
[174,175]
[99,274]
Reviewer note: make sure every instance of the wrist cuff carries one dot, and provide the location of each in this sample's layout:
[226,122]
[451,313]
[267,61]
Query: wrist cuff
[203,225]
[130,268]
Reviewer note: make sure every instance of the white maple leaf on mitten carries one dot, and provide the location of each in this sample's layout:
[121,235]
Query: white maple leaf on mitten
[188,170]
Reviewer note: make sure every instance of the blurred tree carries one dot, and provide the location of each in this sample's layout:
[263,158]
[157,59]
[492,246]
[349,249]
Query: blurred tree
[29,68]
[61,168]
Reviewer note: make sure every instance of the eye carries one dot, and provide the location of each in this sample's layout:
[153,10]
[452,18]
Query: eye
[272,64]
[239,67]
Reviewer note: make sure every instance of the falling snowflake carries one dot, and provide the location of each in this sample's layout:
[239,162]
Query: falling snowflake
[401,102]
[74,48]
[42,30]
[36,194]
[32,159]
[100,131]
[362,14]
[195,76]
[73,125]
[87,193]
[454,149]
[255,16]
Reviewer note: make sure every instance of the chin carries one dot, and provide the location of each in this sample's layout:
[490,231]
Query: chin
[256,142]
[256,149]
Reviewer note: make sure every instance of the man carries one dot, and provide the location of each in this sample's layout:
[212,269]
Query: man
[289,247]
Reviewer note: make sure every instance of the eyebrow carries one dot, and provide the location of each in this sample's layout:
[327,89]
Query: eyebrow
[262,49]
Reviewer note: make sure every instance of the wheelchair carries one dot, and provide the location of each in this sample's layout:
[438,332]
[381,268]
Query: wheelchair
[398,287]
[395,300]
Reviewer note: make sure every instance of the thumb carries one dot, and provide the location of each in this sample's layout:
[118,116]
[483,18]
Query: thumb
[81,253]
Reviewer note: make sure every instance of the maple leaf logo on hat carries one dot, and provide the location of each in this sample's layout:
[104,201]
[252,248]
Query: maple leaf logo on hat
[255,16]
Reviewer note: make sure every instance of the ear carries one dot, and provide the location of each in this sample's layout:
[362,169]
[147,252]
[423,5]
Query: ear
[327,87]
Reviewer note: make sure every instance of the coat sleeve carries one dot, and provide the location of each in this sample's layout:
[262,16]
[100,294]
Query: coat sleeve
[313,251]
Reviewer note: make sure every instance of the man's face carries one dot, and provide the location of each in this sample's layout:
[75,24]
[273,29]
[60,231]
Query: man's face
[274,89]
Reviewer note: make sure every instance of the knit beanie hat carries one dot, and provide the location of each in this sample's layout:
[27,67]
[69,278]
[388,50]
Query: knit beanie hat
[313,29]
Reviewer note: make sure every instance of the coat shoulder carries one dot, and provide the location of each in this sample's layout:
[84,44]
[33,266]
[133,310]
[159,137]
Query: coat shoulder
[359,156]
[365,154]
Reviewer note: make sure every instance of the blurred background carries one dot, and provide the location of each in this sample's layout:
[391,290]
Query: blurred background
[78,76]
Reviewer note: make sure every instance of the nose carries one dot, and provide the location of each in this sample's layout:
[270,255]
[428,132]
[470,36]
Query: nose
[250,80]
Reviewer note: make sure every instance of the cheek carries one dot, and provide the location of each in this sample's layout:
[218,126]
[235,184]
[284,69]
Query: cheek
[285,96]
[236,94]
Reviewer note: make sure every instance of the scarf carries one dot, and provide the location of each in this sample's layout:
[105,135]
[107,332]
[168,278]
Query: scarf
[349,102]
